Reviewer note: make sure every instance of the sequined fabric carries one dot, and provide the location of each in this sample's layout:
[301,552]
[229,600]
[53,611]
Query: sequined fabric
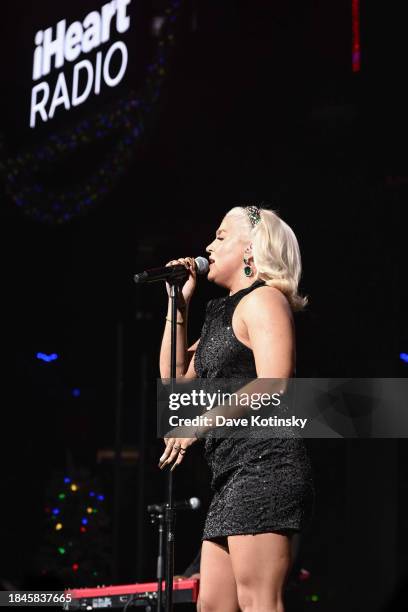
[260,484]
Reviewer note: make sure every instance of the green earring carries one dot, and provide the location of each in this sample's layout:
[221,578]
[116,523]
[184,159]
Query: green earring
[247,268]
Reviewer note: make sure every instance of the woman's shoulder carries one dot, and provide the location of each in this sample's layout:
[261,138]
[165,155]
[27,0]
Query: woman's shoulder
[265,297]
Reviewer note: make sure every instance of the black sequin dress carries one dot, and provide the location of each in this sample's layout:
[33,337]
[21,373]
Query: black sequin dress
[260,484]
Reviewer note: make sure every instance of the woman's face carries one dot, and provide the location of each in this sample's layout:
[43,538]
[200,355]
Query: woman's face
[226,252]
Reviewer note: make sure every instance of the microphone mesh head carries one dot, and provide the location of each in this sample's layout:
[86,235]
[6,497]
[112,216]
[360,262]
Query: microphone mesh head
[194,503]
[202,265]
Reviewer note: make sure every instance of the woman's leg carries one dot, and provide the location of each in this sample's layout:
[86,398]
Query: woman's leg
[260,565]
[218,591]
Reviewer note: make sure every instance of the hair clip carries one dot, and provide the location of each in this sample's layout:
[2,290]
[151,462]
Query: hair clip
[254,214]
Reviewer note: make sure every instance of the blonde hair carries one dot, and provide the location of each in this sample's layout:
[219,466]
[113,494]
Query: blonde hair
[276,253]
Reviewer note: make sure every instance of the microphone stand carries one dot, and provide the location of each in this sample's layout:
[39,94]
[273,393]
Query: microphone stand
[170,513]
[158,518]
[176,277]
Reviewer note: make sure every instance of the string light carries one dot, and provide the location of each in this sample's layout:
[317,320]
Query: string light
[313,598]
[64,524]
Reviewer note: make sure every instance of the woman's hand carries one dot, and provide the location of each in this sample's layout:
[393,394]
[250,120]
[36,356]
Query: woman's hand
[187,289]
[175,450]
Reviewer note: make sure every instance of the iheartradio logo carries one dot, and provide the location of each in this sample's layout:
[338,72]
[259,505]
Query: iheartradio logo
[63,44]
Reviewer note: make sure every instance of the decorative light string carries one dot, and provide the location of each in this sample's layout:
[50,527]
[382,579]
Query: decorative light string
[75,519]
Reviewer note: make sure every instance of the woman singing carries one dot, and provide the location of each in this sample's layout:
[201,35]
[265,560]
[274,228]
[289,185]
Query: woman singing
[263,488]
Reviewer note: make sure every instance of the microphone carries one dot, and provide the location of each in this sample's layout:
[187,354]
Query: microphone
[171,273]
[187,504]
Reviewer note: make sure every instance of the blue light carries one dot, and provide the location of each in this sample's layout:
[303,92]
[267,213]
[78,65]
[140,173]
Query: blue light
[56,511]
[47,358]
[101,497]
[67,480]
[404,357]
[84,521]
[76,392]
[91,494]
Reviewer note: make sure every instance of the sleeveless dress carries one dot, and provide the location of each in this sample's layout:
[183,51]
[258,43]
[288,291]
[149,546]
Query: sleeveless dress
[260,484]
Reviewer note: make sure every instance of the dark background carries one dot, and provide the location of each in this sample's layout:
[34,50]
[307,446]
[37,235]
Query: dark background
[259,104]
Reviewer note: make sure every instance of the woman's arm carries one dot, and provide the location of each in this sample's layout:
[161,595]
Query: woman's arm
[184,355]
[268,319]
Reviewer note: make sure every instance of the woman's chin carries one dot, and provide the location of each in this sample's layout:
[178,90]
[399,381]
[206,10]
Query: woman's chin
[212,275]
